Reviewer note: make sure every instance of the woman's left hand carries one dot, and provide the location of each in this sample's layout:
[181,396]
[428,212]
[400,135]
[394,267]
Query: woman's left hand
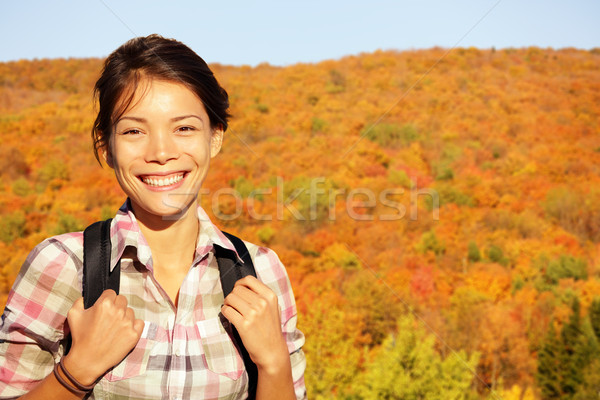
[253,309]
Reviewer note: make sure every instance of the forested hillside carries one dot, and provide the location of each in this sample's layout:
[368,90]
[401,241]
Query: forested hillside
[438,211]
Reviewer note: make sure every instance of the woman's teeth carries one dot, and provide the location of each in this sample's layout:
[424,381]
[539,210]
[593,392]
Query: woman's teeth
[163,181]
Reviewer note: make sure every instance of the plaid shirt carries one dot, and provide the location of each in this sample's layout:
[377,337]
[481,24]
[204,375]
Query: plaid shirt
[185,352]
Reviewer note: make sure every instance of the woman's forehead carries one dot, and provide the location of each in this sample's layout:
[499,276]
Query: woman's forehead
[137,92]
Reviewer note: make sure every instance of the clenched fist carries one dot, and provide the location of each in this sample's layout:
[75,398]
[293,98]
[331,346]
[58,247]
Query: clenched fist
[102,336]
[253,309]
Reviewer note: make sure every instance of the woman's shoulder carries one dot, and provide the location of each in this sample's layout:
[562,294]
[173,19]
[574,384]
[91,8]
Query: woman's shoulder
[46,287]
[70,244]
[269,268]
[55,256]
[263,257]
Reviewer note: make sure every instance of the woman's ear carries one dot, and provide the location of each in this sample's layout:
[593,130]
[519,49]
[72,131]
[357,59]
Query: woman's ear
[107,155]
[216,140]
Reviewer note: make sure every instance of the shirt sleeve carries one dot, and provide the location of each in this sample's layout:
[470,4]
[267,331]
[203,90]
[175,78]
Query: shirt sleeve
[34,319]
[271,272]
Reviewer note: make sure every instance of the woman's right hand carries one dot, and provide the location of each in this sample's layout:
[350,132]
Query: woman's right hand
[101,336]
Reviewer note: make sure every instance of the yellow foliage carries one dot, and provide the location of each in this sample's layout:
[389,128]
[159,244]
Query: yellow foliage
[517,393]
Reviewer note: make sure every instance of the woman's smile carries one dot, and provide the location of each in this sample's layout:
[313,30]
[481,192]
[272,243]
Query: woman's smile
[163,181]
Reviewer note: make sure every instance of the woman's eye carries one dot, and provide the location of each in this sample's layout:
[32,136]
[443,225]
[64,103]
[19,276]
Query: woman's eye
[131,132]
[186,129]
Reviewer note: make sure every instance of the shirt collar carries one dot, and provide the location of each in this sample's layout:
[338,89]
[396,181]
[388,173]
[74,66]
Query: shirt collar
[125,232]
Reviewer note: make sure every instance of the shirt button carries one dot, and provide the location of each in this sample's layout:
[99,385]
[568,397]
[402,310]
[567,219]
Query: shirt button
[177,352]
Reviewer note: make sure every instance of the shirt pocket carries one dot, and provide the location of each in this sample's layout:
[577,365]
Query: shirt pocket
[135,363]
[220,353]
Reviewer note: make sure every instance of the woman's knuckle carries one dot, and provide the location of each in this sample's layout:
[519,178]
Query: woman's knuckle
[246,325]
[262,304]
[106,304]
[252,313]
[121,300]
[132,335]
[272,297]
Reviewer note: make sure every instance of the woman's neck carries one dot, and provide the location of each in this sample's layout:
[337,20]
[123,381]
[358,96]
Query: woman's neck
[172,240]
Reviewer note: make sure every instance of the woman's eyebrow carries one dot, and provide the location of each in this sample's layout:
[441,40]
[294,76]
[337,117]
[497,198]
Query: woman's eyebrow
[137,119]
[186,116]
[174,119]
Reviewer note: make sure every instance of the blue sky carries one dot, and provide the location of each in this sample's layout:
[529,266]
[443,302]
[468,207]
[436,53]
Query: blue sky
[284,32]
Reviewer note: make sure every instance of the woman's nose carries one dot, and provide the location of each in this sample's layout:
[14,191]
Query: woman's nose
[161,147]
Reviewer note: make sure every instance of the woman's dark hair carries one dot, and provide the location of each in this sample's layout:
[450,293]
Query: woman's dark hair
[153,57]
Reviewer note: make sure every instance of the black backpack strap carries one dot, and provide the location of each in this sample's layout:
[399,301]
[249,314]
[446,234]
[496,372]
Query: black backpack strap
[230,270]
[97,276]
[96,266]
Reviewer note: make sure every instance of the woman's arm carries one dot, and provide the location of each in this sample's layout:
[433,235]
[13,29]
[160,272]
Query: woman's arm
[276,382]
[101,337]
[51,389]
[253,309]
[45,297]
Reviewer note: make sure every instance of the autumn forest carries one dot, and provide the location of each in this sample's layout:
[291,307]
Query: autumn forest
[438,211]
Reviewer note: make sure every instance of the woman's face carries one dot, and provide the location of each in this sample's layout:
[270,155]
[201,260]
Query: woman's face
[161,148]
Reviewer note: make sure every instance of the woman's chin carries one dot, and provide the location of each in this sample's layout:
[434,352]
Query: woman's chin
[164,210]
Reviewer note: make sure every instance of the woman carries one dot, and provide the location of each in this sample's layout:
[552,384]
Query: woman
[161,118]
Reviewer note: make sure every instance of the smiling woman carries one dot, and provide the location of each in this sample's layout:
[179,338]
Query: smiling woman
[168,334]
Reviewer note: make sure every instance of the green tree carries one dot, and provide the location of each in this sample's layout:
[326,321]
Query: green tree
[332,351]
[243,186]
[430,242]
[473,252]
[449,194]
[68,223]
[54,169]
[562,359]
[594,314]
[372,302]
[573,358]
[401,178]
[266,234]
[391,135]
[318,124]
[590,387]
[407,366]
[549,372]
[566,267]
[495,254]
[309,198]
[21,187]
[12,226]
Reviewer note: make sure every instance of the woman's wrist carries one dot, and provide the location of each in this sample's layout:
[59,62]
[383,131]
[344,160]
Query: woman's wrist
[80,371]
[275,379]
[274,363]
[66,382]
